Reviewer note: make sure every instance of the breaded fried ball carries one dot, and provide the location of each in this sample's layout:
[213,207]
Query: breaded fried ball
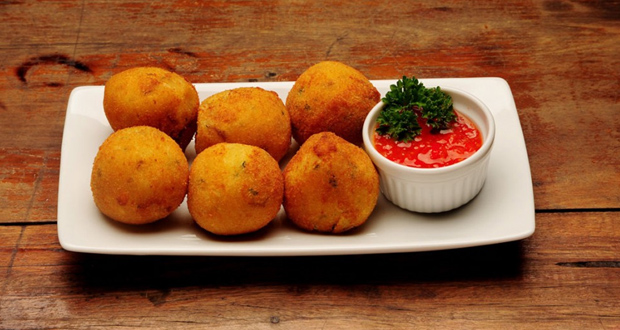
[234,189]
[153,97]
[330,96]
[247,115]
[330,185]
[139,175]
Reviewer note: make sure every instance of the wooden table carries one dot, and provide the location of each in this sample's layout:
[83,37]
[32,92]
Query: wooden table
[560,58]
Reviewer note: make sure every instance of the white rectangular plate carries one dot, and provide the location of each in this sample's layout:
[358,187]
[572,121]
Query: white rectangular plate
[502,212]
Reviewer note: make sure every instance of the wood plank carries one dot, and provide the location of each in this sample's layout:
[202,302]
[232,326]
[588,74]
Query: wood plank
[559,58]
[564,276]
[29,185]
[40,23]
[9,237]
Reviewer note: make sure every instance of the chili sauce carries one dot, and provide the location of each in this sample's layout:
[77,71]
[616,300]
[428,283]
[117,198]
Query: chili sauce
[433,148]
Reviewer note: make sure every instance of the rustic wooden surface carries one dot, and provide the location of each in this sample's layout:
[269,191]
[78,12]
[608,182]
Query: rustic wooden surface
[560,58]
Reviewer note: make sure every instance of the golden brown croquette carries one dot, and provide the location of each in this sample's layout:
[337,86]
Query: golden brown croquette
[247,115]
[330,185]
[153,97]
[139,175]
[234,189]
[330,96]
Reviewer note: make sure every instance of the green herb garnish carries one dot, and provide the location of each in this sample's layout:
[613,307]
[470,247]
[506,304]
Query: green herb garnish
[409,99]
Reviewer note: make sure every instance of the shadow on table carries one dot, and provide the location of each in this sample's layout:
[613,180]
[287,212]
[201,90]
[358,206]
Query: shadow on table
[493,262]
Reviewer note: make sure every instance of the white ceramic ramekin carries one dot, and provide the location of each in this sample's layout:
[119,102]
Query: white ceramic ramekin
[431,190]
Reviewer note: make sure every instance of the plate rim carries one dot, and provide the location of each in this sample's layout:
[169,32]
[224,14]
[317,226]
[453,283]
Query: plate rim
[68,244]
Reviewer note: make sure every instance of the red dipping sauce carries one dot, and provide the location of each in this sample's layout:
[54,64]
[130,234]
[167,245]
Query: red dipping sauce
[430,150]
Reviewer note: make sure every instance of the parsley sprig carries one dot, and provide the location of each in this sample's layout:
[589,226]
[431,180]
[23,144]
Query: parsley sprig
[407,100]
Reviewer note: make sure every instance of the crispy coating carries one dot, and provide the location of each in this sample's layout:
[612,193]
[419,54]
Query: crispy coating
[247,115]
[234,189]
[330,96]
[330,185]
[139,175]
[153,97]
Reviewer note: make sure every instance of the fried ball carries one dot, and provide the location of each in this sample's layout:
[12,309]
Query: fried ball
[330,96]
[153,97]
[247,115]
[330,185]
[234,189]
[139,175]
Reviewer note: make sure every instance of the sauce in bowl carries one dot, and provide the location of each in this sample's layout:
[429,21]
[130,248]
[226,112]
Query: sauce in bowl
[432,149]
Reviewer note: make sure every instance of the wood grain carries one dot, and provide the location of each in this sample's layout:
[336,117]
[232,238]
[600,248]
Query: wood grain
[539,283]
[560,58]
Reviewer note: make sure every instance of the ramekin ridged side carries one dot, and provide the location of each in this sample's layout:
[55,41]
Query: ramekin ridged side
[433,197]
